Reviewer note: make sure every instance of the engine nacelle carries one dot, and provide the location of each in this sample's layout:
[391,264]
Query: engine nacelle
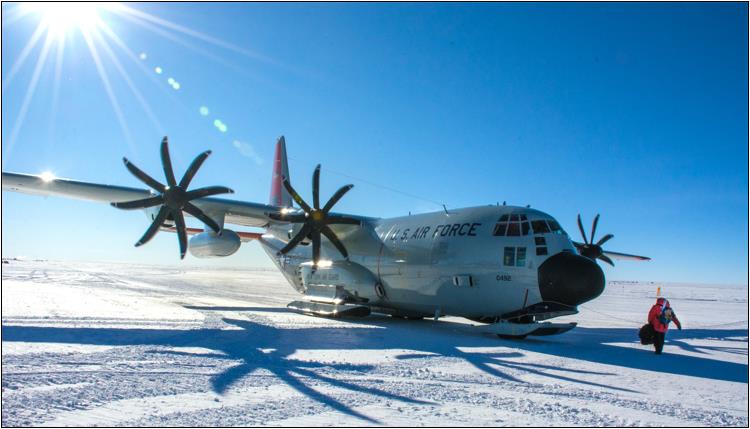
[208,244]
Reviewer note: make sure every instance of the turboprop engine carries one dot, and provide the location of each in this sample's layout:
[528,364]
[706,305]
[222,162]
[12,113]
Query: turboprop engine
[339,281]
[209,244]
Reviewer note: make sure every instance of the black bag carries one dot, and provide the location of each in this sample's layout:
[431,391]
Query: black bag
[646,334]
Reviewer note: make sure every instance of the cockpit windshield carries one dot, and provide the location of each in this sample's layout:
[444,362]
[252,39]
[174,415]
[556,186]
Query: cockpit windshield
[543,226]
[516,225]
[513,225]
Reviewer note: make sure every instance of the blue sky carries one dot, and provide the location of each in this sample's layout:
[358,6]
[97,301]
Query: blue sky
[636,111]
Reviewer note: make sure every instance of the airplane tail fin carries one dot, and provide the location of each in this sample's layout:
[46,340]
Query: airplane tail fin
[279,195]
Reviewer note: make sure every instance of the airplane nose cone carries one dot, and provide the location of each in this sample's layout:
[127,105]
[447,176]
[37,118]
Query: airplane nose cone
[570,279]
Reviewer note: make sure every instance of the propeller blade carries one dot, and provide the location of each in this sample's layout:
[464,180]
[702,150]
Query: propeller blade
[335,241]
[296,196]
[143,177]
[336,197]
[335,219]
[316,188]
[315,247]
[194,166]
[154,228]
[606,259]
[583,233]
[207,192]
[604,239]
[593,227]
[166,163]
[296,240]
[198,213]
[618,255]
[139,204]
[179,223]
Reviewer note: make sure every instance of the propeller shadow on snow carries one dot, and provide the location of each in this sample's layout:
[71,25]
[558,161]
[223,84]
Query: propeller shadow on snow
[258,346]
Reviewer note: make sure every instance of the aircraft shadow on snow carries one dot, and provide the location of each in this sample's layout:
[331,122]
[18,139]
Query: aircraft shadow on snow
[260,346]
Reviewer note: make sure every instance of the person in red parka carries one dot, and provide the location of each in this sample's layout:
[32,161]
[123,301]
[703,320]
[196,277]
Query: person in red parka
[659,317]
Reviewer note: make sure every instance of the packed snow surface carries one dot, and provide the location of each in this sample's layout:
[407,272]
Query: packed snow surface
[123,345]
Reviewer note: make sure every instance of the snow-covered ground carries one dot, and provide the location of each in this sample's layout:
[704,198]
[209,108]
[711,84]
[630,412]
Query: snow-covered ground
[109,344]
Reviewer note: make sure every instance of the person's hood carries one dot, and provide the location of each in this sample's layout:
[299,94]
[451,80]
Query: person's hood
[661,301]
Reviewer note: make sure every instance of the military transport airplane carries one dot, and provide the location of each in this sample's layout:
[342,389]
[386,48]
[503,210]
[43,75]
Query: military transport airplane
[509,268]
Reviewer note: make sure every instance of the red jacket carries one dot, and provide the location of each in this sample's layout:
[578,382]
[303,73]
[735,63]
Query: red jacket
[656,311]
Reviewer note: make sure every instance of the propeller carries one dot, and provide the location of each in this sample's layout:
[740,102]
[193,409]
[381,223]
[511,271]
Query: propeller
[315,220]
[590,249]
[174,198]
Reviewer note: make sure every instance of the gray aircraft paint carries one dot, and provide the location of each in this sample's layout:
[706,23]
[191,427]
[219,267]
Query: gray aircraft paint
[417,268]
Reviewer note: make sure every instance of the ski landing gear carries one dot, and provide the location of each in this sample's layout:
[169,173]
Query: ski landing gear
[510,330]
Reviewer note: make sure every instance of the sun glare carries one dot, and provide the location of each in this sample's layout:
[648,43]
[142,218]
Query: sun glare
[61,17]
[47,176]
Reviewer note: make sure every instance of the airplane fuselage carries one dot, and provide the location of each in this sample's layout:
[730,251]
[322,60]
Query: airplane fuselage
[482,263]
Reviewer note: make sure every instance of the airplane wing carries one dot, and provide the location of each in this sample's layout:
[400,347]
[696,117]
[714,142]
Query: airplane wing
[234,212]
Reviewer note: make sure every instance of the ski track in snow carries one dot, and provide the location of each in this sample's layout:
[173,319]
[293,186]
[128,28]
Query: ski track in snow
[121,345]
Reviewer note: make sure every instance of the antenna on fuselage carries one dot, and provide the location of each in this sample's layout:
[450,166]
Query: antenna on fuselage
[446,209]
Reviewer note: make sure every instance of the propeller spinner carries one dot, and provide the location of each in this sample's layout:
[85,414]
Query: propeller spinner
[174,198]
[315,220]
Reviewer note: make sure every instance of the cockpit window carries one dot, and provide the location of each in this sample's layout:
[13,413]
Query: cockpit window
[500,229]
[520,256]
[509,257]
[554,226]
[513,225]
[540,226]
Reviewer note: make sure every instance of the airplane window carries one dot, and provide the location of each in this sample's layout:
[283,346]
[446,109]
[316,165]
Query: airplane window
[509,256]
[514,229]
[523,217]
[520,256]
[503,218]
[524,227]
[541,251]
[554,226]
[500,229]
[539,226]
[540,241]
[514,217]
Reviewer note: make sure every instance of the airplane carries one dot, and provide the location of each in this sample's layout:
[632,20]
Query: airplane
[508,268]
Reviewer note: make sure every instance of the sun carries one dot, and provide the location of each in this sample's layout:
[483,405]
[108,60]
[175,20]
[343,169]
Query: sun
[61,17]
